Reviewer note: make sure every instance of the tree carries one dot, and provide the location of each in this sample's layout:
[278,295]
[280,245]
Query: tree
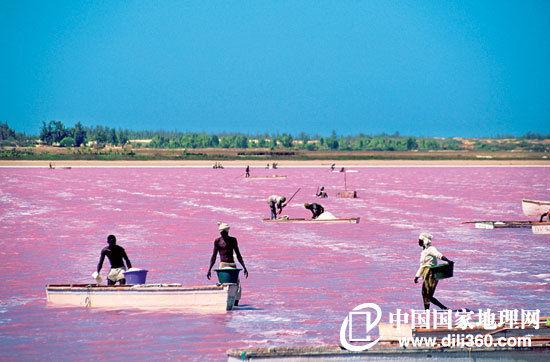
[333,141]
[412,144]
[6,133]
[79,134]
[111,136]
[58,131]
[67,142]
[286,140]
[122,136]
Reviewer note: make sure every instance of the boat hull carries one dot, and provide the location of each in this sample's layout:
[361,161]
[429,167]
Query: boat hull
[206,299]
[541,229]
[537,227]
[534,207]
[351,220]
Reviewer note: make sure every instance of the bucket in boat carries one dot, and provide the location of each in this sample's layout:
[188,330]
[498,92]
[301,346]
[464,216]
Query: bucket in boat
[135,276]
[228,275]
[443,271]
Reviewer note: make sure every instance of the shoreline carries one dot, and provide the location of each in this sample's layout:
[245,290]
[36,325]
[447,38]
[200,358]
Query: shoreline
[281,163]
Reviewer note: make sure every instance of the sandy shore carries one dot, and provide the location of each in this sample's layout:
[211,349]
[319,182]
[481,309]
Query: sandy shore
[283,163]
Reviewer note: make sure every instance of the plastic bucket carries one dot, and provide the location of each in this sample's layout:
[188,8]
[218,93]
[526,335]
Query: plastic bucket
[443,271]
[228,275]
[135,276]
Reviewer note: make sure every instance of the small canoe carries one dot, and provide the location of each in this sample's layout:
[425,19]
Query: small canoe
[273,177]
[347,220]
[505,224]
[207,299]
[534,207]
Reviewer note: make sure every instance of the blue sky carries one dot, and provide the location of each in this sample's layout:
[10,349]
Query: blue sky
[432,68]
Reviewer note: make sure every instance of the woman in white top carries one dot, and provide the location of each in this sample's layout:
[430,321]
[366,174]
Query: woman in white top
[428,259]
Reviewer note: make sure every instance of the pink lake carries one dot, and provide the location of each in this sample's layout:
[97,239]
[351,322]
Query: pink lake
[303,278]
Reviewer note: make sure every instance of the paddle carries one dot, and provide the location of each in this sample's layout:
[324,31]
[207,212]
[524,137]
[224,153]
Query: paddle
[286,203]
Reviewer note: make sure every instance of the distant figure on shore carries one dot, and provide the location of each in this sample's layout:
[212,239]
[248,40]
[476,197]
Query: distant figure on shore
[321,193]
[116,255]
[276,205]
[225,245]
[332,167]
[316,209]
[247,171]
[547,214]
[428,259]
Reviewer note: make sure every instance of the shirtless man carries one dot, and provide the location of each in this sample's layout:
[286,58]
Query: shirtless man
[116,255]
[225,245]
[315,209]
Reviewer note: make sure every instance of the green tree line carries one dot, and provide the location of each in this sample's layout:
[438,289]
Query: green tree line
[56,133]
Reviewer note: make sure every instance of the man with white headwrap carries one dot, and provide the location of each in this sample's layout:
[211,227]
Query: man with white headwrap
[276,204]
[225,245]
[428,259]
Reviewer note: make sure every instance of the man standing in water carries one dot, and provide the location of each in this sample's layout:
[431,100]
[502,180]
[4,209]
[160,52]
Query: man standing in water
[116,255]
[276,205]
[225,245]
[247,171]
[428,259]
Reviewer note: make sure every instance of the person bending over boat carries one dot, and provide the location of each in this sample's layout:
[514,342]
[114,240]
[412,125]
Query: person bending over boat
[547,214]
[116,255]
[276,205]
[315,209]
[225,245]
[428,259]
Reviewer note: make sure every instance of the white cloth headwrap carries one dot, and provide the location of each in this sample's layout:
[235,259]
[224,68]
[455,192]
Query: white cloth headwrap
[223,226]
[426,238]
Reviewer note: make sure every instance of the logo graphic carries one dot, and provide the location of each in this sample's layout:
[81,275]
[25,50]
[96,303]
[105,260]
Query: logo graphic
[361,316]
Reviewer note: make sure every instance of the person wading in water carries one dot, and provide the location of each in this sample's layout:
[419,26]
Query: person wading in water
[225,245]
[428,258]
[116,255]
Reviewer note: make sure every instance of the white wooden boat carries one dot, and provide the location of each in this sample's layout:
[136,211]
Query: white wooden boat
[507,224]
[347,220]
[207,299]
[534,207]
[272,177]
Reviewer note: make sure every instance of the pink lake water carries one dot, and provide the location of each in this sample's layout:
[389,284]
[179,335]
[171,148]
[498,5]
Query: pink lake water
[303,278]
